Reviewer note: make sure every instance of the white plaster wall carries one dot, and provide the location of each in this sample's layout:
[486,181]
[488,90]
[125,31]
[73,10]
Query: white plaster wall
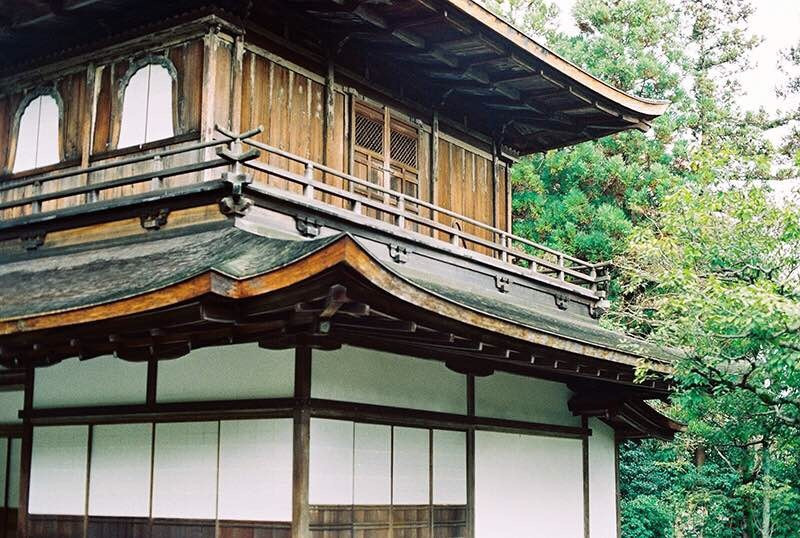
[227,373]
[514,397]
[528,486]
[10,403]
[372,464]
[366,376]
[185,470]
[449,467]
[255,470]
[331,462]
[58,470]
[411,466]
[119,484]
[100,381]
[602,481]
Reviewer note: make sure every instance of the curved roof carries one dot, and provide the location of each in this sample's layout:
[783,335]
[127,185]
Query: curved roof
[107,283]
[637,105]
[452,56]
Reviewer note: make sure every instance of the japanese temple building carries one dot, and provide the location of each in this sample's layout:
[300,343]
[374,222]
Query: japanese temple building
[258,278]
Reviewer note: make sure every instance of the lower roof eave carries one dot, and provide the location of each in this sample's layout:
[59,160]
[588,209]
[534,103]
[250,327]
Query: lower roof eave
[260,274]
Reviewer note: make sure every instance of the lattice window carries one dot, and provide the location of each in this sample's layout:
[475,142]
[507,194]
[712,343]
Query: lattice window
[403,148]
[369,133]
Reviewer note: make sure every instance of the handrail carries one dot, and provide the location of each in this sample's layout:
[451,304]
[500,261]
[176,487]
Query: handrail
[416,201]
[404,199]
[500,243]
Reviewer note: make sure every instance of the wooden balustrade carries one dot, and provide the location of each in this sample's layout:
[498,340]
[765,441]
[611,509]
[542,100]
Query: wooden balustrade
[405,212]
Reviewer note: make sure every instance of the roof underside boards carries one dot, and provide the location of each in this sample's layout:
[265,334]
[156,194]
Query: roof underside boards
[448,55]
[76,279]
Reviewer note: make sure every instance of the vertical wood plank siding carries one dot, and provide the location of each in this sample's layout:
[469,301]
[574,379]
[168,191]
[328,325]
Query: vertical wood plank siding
[221,80]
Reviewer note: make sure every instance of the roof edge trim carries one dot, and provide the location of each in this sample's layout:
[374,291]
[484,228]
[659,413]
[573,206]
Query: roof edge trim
[639,105]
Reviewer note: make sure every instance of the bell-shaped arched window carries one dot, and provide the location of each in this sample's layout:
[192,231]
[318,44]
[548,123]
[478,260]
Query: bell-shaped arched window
[37,137]
[147,106]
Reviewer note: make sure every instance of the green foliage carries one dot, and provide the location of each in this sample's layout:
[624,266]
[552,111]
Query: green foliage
[707,262]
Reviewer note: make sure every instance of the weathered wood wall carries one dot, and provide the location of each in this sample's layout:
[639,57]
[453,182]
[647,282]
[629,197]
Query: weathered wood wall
[223,80]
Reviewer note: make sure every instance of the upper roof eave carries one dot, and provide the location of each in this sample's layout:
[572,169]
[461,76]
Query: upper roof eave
[637,105]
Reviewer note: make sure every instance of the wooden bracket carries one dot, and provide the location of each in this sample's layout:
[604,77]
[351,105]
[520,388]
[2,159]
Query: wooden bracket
[502,283]
[398,253]
[154,220]
[599,308]
[32,242]
[307,227]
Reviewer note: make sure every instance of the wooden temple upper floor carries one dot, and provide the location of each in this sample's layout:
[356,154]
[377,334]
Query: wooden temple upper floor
[401,119]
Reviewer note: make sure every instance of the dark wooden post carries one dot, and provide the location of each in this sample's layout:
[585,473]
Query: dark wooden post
[302,437]
[471,458]
[27,450]
[586,499]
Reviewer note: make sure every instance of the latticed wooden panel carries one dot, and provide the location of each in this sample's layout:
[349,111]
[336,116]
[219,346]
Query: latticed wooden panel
[369,133]
[403,148]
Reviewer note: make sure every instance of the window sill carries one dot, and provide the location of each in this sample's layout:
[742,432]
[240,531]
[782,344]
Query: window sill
[62,165]
[155,144]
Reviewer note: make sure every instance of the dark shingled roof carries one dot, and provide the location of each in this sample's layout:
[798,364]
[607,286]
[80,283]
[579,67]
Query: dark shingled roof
[77,279]
[83,277]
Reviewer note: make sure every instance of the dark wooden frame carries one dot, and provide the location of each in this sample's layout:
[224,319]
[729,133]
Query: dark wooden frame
[301,408]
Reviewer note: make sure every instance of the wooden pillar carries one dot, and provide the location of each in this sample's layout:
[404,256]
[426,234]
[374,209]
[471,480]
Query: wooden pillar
[6,485]
[302,438]
[617,496]
[208,95]
[471,458]
[586,499]
[330,106]
[507,183]
[27,450]
[495,187]
[237,73]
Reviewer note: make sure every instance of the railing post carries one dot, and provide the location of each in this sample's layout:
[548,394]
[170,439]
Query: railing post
[401,207]
[561,267]
[36,207]
[504,247]
[357,208]
[308,188]
[157,182]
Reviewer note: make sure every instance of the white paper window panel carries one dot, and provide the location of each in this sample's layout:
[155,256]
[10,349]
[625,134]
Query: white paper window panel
[100,381]
[528,485]
[37,138]
[449,467]
[372,464]
[227,373]
[119,482]
[366,376]
[255,470]
[185,473]
[10,403]
[4,447]
[602,481]
[514,397]
[14,473]
[58,470]
[331,462]
[147,107]
[411,466]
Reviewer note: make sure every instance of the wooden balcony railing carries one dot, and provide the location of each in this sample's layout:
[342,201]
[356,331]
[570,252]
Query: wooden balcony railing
[311,187]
